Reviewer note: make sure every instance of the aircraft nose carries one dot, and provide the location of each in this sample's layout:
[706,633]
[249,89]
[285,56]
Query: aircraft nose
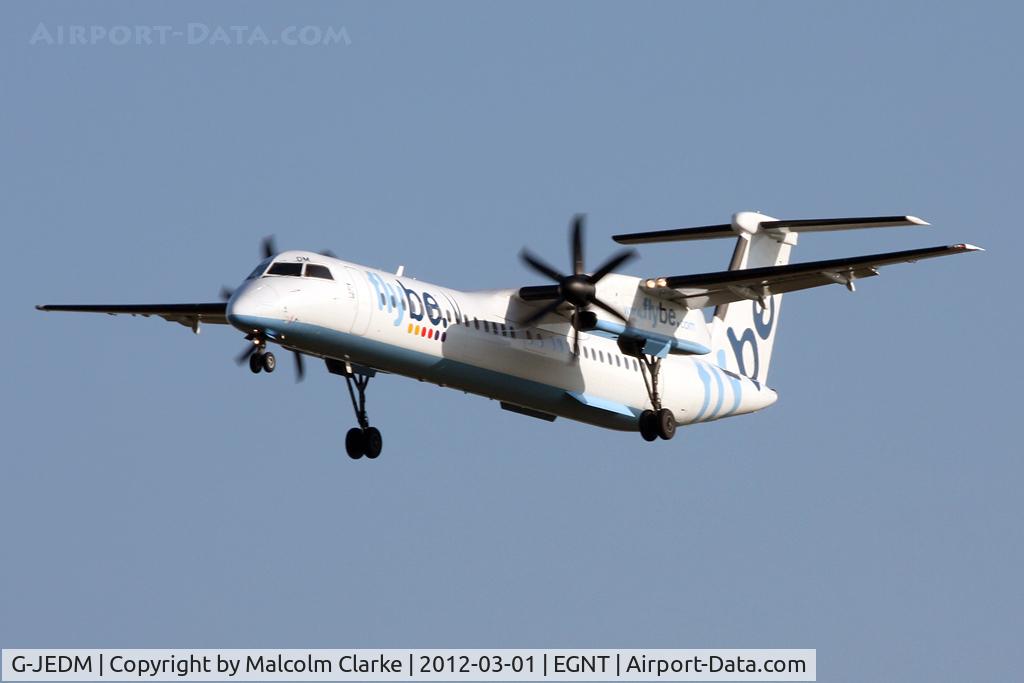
[252,307]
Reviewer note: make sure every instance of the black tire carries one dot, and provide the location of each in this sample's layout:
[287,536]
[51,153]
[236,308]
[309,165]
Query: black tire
[355,443]
[666,424]
[256,363]
[648,425]
[269,362]
[373,442]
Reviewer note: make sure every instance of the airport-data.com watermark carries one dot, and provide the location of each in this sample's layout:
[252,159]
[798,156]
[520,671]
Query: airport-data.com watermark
[190,34]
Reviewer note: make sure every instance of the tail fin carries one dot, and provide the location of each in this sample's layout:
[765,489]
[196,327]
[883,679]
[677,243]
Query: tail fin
[743,332]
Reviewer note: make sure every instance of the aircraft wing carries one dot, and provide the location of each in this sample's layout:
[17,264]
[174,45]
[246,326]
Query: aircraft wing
[712,289]
[189,315]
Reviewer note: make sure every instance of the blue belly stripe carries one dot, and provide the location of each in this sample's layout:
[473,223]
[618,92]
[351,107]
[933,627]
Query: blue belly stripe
[439,370]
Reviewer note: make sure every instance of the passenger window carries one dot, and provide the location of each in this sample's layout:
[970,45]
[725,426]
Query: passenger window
[315,270]
[601,355]
[476,323]
[294,269]
[618,363]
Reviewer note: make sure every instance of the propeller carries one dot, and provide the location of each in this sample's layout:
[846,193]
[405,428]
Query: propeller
[267,246]
[250,349]
[578,289]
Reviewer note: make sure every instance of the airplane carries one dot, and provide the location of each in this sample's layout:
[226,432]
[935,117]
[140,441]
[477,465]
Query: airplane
[606,349]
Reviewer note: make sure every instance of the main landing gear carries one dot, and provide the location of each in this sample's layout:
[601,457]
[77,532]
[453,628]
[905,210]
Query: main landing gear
[364,439]
[658,422]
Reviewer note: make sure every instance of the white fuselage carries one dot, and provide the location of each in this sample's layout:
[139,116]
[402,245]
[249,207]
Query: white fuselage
[470,341]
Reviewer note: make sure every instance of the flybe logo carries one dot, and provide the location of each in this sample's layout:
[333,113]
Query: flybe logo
[655,314]
[658,314]
[399,300]
[763,322]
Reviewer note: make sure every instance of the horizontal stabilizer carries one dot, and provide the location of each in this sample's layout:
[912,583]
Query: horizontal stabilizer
[706,232]
[826,224]
[712,289]
[709,232]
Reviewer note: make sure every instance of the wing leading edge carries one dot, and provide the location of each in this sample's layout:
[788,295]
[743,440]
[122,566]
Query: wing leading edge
[189,315]
[712,289]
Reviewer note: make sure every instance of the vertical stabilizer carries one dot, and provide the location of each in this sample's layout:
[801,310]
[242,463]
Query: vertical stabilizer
[743,332]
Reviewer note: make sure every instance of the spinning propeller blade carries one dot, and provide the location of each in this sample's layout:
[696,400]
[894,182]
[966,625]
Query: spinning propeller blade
[244,355]
[267,246]
[579,289]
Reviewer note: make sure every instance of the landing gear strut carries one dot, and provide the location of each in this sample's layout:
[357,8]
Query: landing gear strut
[364,439]
[658,422]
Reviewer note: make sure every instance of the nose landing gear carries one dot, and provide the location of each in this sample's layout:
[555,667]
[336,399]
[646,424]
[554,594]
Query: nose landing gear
[262,362]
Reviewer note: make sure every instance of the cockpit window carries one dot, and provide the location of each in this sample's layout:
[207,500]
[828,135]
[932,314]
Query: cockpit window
[314,270]
[285,269]
[258,270]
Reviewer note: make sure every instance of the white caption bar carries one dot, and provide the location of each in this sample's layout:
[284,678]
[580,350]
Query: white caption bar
[406,665]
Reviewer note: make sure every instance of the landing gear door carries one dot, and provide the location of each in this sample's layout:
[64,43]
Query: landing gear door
[360,301]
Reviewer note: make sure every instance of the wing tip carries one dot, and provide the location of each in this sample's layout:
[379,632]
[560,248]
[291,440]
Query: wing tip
[917,221]
[968,247]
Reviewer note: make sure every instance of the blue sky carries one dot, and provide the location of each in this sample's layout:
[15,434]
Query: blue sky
[153,494]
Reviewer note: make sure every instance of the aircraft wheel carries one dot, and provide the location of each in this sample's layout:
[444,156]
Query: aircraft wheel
[256,363]
[648,425]
[666,423]
[355,443]
[269,362]
[373,442]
